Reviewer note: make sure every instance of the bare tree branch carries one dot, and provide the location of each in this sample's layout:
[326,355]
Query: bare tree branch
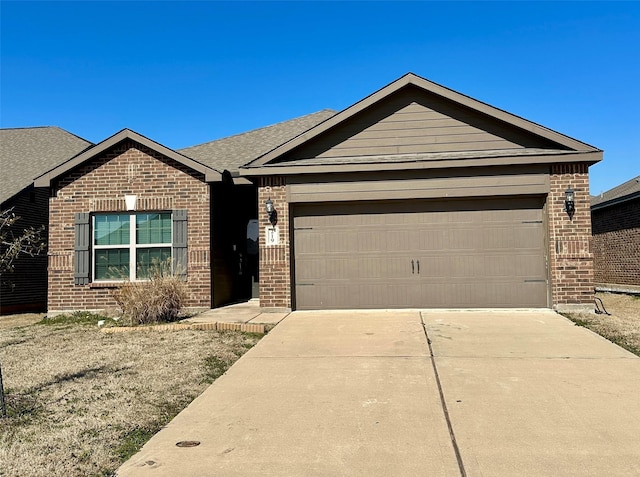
[30,242]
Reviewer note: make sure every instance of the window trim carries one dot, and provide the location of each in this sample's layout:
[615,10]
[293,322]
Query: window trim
[132,246]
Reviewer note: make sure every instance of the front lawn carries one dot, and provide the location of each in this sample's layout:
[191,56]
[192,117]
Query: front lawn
[81,402]
[621,327]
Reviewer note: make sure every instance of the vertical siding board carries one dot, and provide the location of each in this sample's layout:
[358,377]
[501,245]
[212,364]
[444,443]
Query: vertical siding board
[81,249]
[180,255]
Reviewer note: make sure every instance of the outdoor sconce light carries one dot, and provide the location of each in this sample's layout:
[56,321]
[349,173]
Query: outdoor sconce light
[271,211]
[569,202]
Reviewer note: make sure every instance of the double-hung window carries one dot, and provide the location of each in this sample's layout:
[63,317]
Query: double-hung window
[126,246]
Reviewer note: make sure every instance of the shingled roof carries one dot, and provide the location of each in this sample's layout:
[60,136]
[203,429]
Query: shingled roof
[231,152]
[27,152]
[626,191]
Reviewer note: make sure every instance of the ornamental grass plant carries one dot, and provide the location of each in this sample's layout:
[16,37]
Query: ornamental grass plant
[159,298]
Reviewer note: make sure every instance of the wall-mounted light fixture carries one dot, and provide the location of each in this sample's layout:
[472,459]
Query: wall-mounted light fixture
[271,211]
[569,202]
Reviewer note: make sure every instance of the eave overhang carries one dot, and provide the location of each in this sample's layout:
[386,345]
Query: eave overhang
[616,201]
[283,169]
[45,180]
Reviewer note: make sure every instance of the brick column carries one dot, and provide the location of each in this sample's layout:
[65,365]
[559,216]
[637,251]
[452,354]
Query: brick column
[275,260]
[571,259]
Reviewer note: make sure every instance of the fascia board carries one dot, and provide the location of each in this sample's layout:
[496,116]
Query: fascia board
[616,201]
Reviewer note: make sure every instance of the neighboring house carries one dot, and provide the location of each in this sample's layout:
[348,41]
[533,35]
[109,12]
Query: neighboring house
[185,205]
[24,154]
[419,196]
[615,220]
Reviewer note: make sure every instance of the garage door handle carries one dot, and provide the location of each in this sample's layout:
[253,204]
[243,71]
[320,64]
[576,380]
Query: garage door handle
[412,267]
[418,267]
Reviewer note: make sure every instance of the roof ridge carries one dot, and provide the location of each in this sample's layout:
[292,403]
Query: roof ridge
[251,131]
[24,128]
[29,127]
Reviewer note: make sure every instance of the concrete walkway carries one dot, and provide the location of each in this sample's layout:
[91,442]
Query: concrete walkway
[243,312]
[360,394]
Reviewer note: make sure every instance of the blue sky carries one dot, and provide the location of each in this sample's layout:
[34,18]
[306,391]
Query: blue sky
[184,73]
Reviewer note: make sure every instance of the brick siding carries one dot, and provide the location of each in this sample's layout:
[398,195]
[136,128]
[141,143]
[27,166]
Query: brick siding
[275,260]
[100,186]
[571,259]
[616,243]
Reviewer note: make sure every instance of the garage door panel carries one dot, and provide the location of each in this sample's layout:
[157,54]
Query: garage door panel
[470,254]
[348,267]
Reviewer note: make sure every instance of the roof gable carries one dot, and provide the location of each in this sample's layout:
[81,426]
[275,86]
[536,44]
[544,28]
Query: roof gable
[28,152]
[411,120]
[211,175]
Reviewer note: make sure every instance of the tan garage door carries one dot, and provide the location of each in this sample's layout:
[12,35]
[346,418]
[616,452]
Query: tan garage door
[445,254]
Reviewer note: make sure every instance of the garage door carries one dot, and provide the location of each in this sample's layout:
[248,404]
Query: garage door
[398,254]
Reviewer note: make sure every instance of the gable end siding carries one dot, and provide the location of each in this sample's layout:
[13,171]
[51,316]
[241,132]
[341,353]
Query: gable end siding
[414,121]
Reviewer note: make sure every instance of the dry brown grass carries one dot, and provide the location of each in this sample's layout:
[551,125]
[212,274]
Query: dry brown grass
[23,319]
[622,327]
[82,401]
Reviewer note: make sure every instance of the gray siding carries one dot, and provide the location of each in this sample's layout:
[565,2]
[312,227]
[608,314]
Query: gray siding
[418,129]
[28,291]
[384,188]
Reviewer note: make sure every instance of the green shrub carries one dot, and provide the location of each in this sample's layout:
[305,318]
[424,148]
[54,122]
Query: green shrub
[158,299]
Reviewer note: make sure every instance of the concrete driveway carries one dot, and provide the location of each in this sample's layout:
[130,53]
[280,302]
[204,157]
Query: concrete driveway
[357,393]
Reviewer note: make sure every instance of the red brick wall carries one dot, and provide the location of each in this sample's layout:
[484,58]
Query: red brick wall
[99,186]
[571,260]
[275,260]
[616,243]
